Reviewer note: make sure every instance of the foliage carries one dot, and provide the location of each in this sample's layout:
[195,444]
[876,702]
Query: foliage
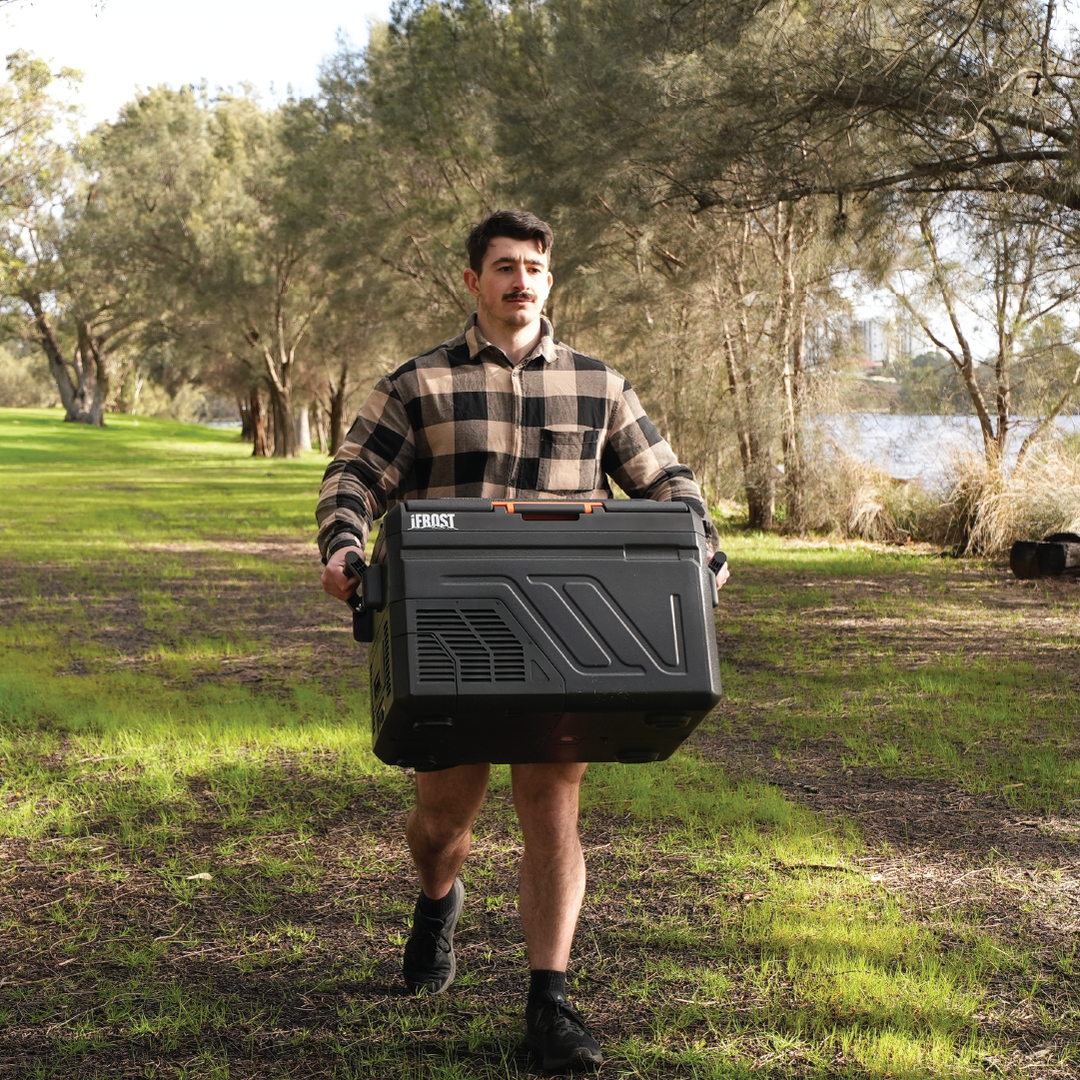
[857,501]
[32,163]
[717,183]
[988,511]
[24,383]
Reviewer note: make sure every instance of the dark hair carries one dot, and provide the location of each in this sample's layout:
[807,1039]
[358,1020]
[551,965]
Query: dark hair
[516,224]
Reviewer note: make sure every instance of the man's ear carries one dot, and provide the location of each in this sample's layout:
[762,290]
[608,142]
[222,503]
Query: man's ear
[472,281]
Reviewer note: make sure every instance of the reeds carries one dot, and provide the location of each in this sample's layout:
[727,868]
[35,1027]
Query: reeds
[989,508]
[980,509]
[860,501]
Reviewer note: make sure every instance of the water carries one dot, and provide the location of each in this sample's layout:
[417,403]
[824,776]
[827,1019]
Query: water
[921,447]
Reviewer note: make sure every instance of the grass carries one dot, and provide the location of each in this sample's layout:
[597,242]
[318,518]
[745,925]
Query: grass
[203,872]
[962,694]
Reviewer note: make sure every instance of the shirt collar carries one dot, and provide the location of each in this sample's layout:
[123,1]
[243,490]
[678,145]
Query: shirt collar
[477,342]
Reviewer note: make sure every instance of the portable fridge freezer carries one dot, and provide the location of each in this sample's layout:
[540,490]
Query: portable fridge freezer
[540,631]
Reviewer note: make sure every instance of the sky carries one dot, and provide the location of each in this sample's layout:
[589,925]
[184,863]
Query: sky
[120,45]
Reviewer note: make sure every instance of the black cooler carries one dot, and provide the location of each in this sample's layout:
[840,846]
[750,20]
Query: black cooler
[535,632]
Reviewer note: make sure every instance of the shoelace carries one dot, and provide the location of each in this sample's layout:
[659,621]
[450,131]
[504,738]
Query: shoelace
[432,928]
[565,1018]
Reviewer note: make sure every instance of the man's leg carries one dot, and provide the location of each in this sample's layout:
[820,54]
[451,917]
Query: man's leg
[439,832]
[439,829]
[546,798]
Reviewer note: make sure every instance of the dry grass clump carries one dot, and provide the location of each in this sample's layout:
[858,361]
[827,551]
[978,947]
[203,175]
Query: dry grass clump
[988,508]
[860,501]
[981,509]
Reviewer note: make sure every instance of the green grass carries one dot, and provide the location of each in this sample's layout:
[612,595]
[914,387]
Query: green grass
[964,691]
[70,488]
[202,871]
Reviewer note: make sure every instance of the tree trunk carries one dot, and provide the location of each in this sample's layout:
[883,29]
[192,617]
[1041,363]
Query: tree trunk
[303,429]
[247,423]
[261,447]
[317,419]
[794,471]
[337,410]
[93,357]
[279,382]
[84,396]
[285,443]
[758,472]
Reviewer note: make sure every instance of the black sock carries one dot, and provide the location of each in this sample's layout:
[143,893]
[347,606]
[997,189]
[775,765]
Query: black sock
[436,909]
[546,986]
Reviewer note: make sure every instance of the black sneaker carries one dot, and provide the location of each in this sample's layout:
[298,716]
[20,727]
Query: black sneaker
[558,1037]
[429,953]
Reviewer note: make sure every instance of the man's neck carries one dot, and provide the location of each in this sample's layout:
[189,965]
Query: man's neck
[516,342]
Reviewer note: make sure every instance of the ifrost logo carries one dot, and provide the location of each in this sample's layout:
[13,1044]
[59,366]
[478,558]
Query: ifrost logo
[432,521]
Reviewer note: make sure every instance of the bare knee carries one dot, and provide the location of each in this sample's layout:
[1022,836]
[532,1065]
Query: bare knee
[447,803]
[547,799]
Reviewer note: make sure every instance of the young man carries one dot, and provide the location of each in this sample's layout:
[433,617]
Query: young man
[503,411]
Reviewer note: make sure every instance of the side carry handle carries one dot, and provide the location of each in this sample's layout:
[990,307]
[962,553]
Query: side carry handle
[715,563]
[368,598]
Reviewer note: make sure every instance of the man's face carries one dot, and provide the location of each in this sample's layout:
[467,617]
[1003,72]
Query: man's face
[513,284]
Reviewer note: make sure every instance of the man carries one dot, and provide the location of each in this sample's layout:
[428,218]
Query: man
[502,411]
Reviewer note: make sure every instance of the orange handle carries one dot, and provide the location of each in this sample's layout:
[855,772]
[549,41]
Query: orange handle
[545,507]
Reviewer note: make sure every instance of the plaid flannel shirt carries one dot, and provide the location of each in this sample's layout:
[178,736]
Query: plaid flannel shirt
[461,421]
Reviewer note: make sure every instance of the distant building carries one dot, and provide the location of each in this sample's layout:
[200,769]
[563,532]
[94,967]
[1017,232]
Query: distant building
[873,338]
[882,341]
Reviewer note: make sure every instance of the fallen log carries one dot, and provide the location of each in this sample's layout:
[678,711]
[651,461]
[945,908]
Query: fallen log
[1058,554]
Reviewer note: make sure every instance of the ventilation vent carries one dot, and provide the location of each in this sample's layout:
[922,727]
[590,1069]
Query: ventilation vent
[388,684]
[381,685]
[474,646]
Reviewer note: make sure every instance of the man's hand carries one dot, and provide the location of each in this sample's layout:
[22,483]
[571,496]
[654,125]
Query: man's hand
[718,564]
[335,580]
[722,575]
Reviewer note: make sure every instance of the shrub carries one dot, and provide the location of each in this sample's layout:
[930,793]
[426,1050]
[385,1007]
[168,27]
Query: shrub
[25,382]
[989,508]
[860,501]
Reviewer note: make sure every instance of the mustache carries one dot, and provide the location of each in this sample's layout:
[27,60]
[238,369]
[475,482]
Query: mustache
[519,295]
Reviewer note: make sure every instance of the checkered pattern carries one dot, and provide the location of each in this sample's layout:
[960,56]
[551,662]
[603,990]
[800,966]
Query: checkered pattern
[461,421]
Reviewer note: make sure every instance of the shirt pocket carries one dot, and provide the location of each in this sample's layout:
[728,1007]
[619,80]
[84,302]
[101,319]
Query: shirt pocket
[569,460]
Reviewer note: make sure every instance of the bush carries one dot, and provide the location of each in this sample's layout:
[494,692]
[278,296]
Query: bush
[860,501]
[25,381]
[980,509]
[995,508]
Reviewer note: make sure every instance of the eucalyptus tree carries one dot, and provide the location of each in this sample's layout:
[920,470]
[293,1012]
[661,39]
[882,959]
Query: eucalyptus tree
[38,180]
[743,105]
[763,109]
[49,292]
[196,217]
[993,282]
[413,159]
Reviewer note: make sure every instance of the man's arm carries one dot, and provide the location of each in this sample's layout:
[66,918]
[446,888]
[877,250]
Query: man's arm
[370,465]
[643,464]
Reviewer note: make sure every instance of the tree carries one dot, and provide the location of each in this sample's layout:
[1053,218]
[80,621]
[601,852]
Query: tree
[51,295]
[1013,270]
[411,164]
[779,101]
[191,196]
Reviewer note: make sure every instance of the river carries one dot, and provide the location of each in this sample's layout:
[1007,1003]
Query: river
[921,447]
